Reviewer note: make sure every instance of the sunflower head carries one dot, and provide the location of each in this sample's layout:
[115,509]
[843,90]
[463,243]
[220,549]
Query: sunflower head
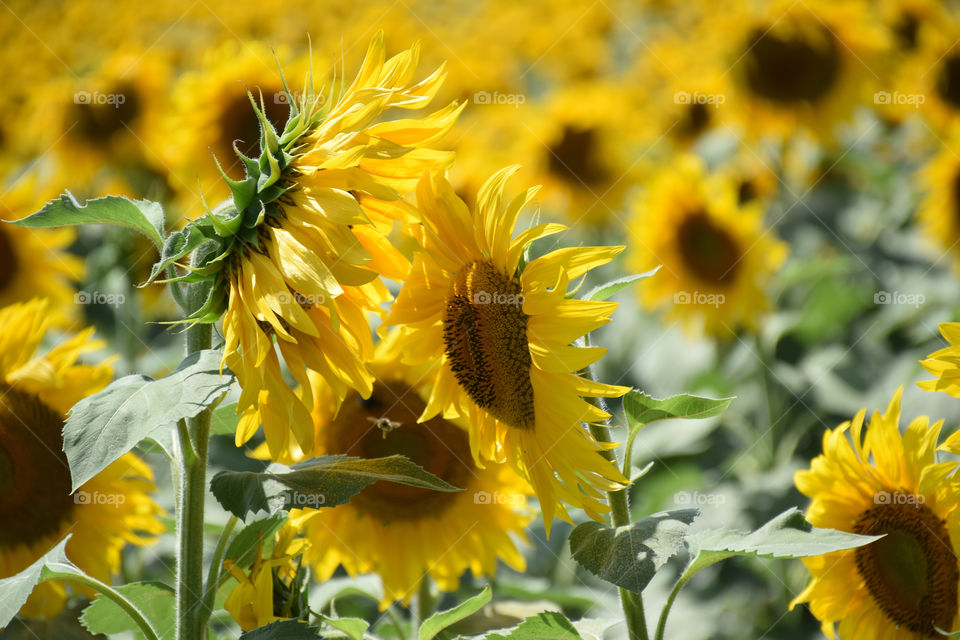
[875,481]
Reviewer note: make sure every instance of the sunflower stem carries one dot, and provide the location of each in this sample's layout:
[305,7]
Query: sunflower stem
[194,434]
[213,574]
[426,603]
[110,593]
[662,623]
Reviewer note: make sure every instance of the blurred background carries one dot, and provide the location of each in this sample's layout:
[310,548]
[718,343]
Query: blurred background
[794,166]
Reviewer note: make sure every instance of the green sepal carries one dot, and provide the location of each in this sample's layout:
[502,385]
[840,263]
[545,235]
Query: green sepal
[244,191]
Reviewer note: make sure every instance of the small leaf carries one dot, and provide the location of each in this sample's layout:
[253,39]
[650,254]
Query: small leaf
[177,245]
[327,481]
[788,535]
[353,627]
[549,624]
[443,619]
[242,550]
[629,556]
[17,588]
[613,287]
[642,409]
[108,424]
[141,215]
[155,601]
[282,630]
[224,420]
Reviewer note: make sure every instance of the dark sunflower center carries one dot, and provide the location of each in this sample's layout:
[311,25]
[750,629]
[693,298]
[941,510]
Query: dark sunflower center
[906,30]
[746,191]
[386,425]
[708,250]
[485,336]
[35,495]
[791,69]
[98,116]
[8,260]
[238,123]
[912,571]
[956,197]
[696,119]
[574,157]
[948,81]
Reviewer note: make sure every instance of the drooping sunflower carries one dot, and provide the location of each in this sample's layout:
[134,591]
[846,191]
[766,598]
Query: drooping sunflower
[905,585]
[939,212]
[945,363]
[36,506]
[717,256]
[383,528]
[34,262]
[500,336]
[799,64]
[304,241]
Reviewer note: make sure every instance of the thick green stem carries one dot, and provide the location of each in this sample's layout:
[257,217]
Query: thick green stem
[426,604]
[112,594]
[193,438]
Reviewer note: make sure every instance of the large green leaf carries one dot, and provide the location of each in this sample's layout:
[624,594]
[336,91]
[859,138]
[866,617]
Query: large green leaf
[282,630]
[630,556]
[106,425]
[788,535]
[642,409]
[327,481]
[141,215]
[154,599]
[548,625]
[608,289]
[17,588]
[443,619]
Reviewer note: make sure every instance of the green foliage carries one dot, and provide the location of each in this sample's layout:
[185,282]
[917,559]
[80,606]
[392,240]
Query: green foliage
[282,630]
[354,628]
[549,624]
[443,619]
[609,289]
[108,424]
[243,547]
[642,409]
[16,589]
[630,556]
[154,599]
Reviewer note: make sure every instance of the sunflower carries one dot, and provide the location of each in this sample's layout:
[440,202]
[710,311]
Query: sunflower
[945,363]
[383,528]
[799,64]
[939,212]
[905,585]
[500,337]
[36,505]
[34,262]
[304,267]
[717,256]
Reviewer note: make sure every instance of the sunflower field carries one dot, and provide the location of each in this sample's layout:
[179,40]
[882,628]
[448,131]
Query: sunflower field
[417,320]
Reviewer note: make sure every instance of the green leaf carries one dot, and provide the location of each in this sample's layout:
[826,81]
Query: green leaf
[630,556]
[327,481]
[140,215]
[549,624]
[642,409]
[106,425]
[613,287]
[224,420]
[788,535]
[154,599]
[17,588]
[443,619]
[177,245]
[242,549]
[282,630]
[353,627]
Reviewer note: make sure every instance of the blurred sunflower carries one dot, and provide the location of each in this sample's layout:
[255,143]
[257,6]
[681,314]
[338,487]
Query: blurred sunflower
[383,528]
[939,212]
[36,506]
[717,256]
[930,78]
[500,336]
[904,585]
[303,256]
[945,363]
[34,262]
[799,64]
